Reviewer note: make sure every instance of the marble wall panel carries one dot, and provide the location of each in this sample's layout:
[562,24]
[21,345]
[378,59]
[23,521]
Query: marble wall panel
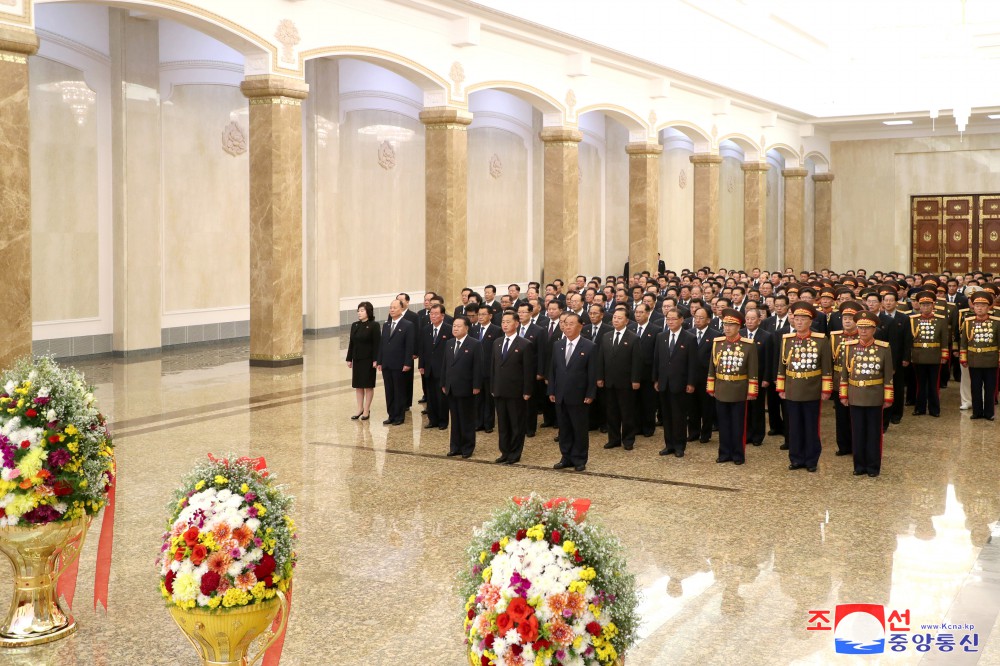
[809,228]
[775,192]
[730,237]
[206,200]
[381,207]
[64,189]
[591,204]
[536,238]
[677,209]
[498,206]
[616,204]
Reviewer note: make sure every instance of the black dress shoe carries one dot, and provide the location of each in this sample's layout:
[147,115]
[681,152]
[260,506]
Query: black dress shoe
[466,455]
[513,461]
[991,418]
[501,459]
[356,416]
[843,453]
[387,422]
[648,434]
[705,440]
[604,429]
[936,416]
[556,438]
[480,429]
[812,469]
[530,434]
[432,425]
[488,431]
[859,472]
[561,465]
[399,422]
[756,443]
[918,413]
[773,433]
[422,401]
[442,427]
[666,451]
[738,462]
[976,416]
[793,466]
[612,445]
[872,474]
[784,447]
[628,447]
[895,421]
[692,438]
[423,411]
[580,468]
[679,454]
[452,454]
[720,459]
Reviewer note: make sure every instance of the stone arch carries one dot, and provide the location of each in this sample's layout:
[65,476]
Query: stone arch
[821,161]
[424,78]
[791,156]
[537,98]
[701,139]
[626,117]
[751,151]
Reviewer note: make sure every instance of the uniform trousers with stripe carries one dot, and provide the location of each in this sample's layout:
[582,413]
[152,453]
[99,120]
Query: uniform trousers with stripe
[844,431]
[804,445]
[984,387]
[927,399]
[866,431]
[732,420]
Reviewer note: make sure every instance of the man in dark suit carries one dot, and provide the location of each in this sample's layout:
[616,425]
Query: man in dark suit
[675,375]
[765,368]
[619,367]
[648,400]
[431,364]
[460,308]
[572,387]
[661,266]
[490,301]
[894,328]
[536,336]
[595,333]
[486,332]
[777,325]
[414,320]
[423,319]
[552,331]
[702,413]
[958,301]
[513,370]
[461,382]
[395,359]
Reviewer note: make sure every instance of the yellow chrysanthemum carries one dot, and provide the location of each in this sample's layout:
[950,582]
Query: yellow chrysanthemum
[244,488]
[578,586]
[221,480]
[199,485]
[487,573]
[569,547]
[71,430]
[588,574]
[537,532]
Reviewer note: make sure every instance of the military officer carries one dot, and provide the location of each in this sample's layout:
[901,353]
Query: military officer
[805,370]
[979,338]
[930,350]
[866,389]
[732,380]
[848,333]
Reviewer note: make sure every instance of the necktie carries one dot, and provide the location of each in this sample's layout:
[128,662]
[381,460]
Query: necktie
[673,339]
[750,335]
[699,336]
[458,345]
[392,328]
[523,330]
[552,327]
[482,333]
[569,351]
[618,338]
[435,333]
[781,324]
[506,346]
[640,331]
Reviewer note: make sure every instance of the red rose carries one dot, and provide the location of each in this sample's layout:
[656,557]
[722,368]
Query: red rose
[265,567]
[191,536]
[168,581]
[516,649]
[210,582]
[489,641]
[521,534]
[593,628]
[471,614]
[61,488]
[31,413]
[540,644]
[25,444]
[504,623]
[556,537]
[179,555]
[528,630]
[198,554]
[484,661]
[268,581]
[495,548]
[53,439]
[577,557]
[518,609]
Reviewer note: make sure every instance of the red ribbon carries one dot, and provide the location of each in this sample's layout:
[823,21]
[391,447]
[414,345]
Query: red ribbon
[258,464]
[66,585]
[273,654]
[581,506]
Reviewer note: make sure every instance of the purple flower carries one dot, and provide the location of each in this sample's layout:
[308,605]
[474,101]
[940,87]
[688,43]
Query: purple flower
[43,513]
[234,553]
[567,612]
[252,512]
[41,401]
[59,457]
[249,497]
[257,541]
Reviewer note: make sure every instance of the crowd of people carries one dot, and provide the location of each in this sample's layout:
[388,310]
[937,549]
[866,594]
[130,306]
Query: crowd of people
[749,355]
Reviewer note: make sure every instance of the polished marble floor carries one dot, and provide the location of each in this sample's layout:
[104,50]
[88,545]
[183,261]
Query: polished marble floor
[730,559]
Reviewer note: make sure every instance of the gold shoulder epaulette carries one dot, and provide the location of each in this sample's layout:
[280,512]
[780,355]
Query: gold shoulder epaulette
[717,338]
[994,318]
[746,340]
[963,310]
[881,343]
[789,335]
[818,335]
[914,315]
[852,342]
[939,316]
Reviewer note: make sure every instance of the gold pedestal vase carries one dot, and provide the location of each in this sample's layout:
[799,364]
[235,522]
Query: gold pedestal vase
[223,636]
[35,616]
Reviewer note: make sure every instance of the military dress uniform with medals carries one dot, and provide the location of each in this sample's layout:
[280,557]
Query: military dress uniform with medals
[979,340]
[805,368]
[930,351]
[838,340]
[732,380]
[866,385]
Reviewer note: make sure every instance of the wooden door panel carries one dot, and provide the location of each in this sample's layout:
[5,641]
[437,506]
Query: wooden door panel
[926,213]
[957,233]
[989,233]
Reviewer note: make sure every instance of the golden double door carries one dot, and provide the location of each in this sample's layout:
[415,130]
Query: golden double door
[957,233]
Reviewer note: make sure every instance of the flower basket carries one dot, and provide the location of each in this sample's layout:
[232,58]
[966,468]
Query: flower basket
[227,559]
[542,585]
[56,471]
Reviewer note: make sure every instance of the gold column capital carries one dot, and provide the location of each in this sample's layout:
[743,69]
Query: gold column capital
[446,117]
[703,159]
[18,41]
[271,88]
[755,166]
[560,135]
[795,173]
[823,177]
[642,149]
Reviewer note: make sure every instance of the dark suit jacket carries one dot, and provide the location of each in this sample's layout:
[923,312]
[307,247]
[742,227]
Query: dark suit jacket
[647,345]
[771,322]
[577,380]
[704,354]
[767,367]
[595,334]
[493,332]
[619,366]
[675,372]
[463,372]
[513,376]
[897,332]
[432,349]
[536,336]
[396,350]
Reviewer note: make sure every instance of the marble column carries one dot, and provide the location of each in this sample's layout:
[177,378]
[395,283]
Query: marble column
[795,218]
[823,222]
[754,214]
[15,193]
[643,205]
[136,209]
[706,209]
[275,218]
[561,252]
[446,143]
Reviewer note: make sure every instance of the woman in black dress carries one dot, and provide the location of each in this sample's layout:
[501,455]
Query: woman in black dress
[361,352]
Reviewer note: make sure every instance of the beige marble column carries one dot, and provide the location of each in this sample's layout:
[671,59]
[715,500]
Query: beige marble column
[754,214]
[706,209]
[795,218]
[136,209]
[15,193]
[446,143]
[275,218]
[561,252]
[823,221]
[643,205]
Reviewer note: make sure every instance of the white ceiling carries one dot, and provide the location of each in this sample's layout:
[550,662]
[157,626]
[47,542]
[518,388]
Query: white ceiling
[825,58]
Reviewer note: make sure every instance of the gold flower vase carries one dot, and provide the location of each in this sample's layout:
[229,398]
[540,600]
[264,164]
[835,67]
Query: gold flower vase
[35,616]
[223,636]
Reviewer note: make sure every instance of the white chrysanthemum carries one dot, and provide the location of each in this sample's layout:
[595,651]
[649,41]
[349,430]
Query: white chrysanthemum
[202,600]
[9,387]
[174,566]
[235,569]
[512,636]
[9,521]
[60,507]
[255,555]
[253,524]
[187,567]
[51,415]
[224,494]
[9,474]
[44,392]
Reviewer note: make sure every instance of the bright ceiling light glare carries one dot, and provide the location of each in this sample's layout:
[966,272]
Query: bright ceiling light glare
[993,116]
[897,122]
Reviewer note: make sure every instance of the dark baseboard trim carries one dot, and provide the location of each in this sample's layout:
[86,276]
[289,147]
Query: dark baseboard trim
[137,353]
[279,363]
